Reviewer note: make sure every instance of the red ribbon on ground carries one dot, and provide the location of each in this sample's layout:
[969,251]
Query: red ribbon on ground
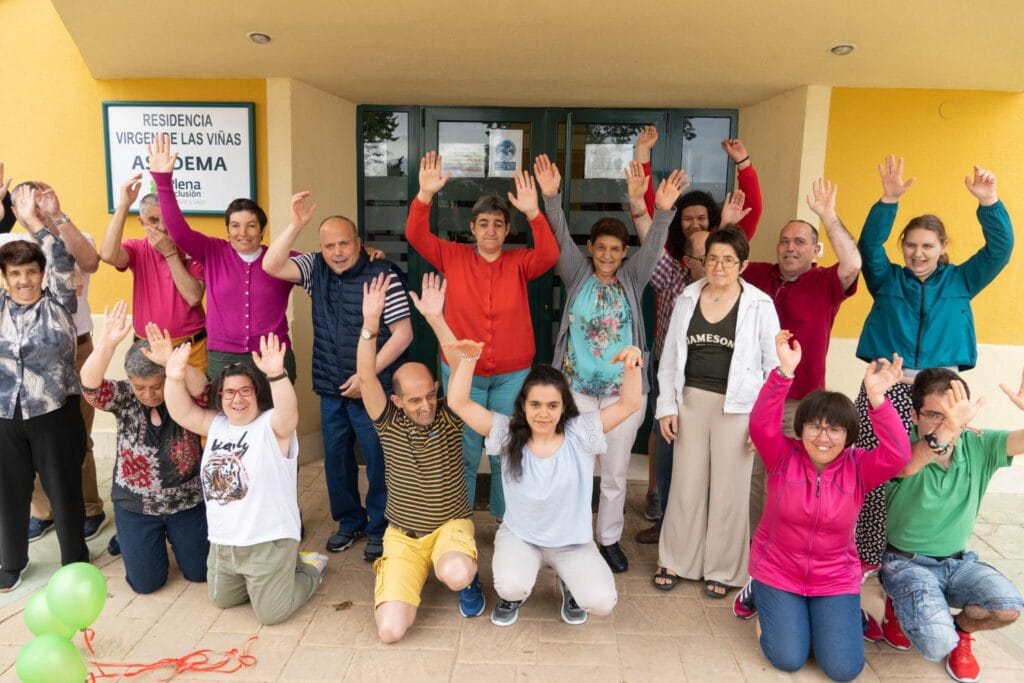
[199,660]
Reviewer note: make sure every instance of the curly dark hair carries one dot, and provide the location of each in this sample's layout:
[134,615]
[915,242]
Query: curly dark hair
[519,431]
[675,244]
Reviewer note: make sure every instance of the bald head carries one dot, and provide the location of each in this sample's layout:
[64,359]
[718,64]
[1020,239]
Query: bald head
[415,393]
[339,243]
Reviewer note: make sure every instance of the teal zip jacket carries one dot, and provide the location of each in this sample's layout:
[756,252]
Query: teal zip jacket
[930,323]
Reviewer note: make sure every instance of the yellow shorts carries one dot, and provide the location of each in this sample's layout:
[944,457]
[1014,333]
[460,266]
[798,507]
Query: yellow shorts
[405,565]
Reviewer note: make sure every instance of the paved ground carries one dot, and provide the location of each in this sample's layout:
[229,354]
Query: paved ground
[651,636]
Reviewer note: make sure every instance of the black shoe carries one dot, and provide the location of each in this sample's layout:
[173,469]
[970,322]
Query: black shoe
[342,540]
[93,525]
[614,556]
[374,549]
[11,580]
[114,547]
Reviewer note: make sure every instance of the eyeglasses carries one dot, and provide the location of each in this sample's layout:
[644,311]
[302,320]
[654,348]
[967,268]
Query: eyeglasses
[244,392]
[726,261]
[833,432]
[698,259]
[932,416]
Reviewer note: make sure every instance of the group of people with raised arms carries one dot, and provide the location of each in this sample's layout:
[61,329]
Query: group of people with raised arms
[795,515]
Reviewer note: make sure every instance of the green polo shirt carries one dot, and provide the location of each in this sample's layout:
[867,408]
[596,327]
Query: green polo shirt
[933,512]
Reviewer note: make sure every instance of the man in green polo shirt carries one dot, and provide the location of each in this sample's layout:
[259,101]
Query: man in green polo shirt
[932,507]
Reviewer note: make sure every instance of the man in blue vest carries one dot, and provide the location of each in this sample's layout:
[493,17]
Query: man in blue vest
[334,278]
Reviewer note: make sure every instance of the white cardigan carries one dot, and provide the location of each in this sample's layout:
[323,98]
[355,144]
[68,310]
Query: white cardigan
[752,358]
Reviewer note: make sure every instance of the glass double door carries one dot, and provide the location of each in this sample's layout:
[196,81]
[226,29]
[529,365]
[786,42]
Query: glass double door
[483,147]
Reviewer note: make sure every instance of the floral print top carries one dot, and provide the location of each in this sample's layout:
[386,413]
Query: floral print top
[600,325]
[156,467]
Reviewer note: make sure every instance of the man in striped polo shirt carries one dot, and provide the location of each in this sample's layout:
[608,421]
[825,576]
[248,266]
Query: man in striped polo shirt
[427,507]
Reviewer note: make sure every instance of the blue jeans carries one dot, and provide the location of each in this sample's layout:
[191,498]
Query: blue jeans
[342,421]
[144,538]
[497,393]
[792,624]
[662,449]
[923,589]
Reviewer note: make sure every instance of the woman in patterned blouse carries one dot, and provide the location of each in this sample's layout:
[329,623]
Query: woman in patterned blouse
[41,429]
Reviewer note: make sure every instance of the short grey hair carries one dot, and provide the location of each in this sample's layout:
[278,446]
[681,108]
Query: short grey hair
[137,365]
[150,199]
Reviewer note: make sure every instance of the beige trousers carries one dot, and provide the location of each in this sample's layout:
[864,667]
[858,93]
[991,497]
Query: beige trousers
[705,533]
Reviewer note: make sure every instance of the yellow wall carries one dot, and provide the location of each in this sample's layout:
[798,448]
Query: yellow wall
[51,123]
[941,133]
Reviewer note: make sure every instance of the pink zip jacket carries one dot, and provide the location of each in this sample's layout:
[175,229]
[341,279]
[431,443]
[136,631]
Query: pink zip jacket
[804,543]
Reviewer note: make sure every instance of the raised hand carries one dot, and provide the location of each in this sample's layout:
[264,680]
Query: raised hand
[525,199]
[893,187]
[431,180]
[957,408]
[130,190]
[48,202]
[735,149]
[822,200]
[23,201]
[300,213]
[161,159]
[431,301]
[787,348]
[630,357]
[647,139]
[467,348]
[669,189]
[375,293]
[636,181]
[732,210]
[548,177]
[880,376]
[1018,396]
[5,186]
[160,346]
[178,361]
[982,186]
[115,325]
[160,241]
[270,358]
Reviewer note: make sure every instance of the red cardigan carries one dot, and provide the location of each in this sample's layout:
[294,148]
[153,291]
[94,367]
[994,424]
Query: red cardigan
[487,301]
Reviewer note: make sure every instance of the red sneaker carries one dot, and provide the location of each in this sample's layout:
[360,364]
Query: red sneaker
[743,606]
[872,631]
[891,630]
[961,664]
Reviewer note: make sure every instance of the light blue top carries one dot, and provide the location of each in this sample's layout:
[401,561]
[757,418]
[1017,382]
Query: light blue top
[600,325]
[550,505]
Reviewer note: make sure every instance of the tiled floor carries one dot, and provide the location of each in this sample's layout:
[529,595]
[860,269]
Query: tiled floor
[651,635]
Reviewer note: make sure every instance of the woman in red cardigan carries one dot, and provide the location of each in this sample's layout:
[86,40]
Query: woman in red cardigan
[487,297]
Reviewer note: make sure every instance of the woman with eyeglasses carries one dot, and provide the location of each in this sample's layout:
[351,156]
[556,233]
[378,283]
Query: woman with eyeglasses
[719,347]
[248,474]
[803,561]
[922,308]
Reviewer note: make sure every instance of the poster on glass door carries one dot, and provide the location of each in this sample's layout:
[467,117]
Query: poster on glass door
[505,152]
[607,160]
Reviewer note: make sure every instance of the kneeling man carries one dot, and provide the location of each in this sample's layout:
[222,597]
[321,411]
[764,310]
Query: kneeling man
[932,507]
[427,509]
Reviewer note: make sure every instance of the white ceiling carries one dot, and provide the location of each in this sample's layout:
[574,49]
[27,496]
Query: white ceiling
[559,53]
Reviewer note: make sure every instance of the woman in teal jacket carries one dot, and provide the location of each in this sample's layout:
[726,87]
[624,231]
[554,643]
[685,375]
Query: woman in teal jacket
[922,309]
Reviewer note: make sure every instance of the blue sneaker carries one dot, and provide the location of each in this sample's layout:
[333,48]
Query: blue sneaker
[37,528]
[471,599]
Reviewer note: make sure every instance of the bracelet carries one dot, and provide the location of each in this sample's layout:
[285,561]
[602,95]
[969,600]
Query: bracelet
[277,377]
[465,357]
[933,443]
[173,253]
[746,158]
[783,374]
[638,215]
[57,222]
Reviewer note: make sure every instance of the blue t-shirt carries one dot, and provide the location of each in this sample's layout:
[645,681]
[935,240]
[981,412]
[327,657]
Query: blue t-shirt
[550,505]
[600,325]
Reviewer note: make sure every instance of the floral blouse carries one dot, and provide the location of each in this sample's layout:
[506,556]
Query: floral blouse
[600,325]
[156,468]
[37,341]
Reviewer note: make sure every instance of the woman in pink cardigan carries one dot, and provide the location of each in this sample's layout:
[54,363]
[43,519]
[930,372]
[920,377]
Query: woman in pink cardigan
[803,561]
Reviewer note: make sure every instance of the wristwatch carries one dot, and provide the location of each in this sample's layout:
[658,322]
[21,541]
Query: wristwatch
[57,222]
[366,334]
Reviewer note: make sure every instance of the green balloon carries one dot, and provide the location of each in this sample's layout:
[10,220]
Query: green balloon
[41,621]
[50,659]
[76,594]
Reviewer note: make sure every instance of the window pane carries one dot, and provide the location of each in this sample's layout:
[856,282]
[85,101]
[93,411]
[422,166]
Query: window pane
[703,157]
[385,182]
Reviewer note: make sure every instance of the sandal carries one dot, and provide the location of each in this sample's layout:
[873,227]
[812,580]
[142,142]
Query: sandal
[672,579]
[709,589]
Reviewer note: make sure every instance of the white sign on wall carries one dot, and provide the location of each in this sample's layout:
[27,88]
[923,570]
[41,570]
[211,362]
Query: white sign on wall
[214,142]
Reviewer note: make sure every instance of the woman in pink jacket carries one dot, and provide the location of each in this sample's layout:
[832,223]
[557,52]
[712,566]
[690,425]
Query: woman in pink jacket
[803,561]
